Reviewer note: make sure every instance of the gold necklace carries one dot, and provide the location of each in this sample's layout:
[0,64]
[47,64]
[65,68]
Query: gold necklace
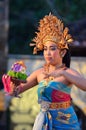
[50,78]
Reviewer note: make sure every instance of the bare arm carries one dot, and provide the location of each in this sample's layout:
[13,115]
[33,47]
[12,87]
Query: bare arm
[31,82]
[75,78]
[72,76]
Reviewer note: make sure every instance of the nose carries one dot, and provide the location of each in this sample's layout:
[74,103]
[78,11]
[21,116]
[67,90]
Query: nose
[48,52]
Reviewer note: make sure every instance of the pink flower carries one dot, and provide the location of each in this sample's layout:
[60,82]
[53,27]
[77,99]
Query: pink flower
[6,82]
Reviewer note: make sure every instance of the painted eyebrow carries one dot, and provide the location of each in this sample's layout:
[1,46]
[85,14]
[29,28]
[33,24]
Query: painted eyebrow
[50,46]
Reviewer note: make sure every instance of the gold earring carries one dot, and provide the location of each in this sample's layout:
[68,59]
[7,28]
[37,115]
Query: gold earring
[62,54]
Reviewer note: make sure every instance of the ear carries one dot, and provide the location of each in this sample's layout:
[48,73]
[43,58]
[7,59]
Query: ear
[63,52]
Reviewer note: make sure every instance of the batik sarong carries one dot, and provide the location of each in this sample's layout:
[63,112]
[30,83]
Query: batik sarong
[55,119]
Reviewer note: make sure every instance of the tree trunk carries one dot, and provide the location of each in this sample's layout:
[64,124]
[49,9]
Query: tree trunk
[3,36]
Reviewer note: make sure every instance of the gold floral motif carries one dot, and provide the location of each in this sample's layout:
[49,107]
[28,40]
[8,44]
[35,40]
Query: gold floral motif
[45,83]
[51,29]
[63,117]
[60,105]
[49,115]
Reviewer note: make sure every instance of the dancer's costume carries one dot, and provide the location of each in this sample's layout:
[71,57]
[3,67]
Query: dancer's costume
[56,111]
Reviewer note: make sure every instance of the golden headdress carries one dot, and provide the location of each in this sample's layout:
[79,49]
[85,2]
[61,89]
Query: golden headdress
[51,29]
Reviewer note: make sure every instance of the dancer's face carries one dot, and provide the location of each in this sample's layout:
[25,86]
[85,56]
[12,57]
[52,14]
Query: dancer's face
[52,53]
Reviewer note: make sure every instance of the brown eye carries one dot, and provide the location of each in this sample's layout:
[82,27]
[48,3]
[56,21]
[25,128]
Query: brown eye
[53,48]
[45,48]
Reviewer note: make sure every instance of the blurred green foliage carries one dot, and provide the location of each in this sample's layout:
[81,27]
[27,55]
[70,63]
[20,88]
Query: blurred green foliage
[71,10]
[24,16]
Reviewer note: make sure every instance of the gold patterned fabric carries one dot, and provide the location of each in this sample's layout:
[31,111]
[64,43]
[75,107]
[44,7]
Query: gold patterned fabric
[51,29]
[64,105]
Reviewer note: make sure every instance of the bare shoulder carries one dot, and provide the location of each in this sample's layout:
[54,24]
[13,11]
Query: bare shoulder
[38,71]
[34,75]
[40,75]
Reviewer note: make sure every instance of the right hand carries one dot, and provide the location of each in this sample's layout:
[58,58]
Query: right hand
[55,73]
[9,86]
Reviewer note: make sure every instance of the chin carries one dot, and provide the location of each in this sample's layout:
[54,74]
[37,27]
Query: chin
[49,63]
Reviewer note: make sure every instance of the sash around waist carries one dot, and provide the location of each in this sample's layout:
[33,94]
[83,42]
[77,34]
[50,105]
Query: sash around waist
[54,105]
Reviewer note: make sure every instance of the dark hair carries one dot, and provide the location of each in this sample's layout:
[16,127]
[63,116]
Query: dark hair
[67,58]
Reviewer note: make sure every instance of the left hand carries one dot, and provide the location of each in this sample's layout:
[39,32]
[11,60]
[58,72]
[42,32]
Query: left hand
[55,73]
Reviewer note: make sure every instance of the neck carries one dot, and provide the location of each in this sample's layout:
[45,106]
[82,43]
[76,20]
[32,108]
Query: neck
[50,68]
[56,66]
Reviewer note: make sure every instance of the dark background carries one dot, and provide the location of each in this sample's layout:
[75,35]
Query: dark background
[19,20]
[24,16]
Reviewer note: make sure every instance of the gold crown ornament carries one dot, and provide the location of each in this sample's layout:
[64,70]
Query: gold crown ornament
[51,29]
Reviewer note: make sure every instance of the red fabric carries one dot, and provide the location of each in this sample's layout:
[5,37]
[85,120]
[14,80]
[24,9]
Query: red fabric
[58,96]
[6,82]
